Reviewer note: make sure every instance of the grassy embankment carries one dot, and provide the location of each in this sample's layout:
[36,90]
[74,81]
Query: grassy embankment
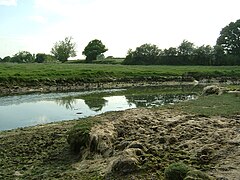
[14,74]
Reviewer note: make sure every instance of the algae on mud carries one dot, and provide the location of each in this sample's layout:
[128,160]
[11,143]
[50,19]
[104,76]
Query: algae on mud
[167,135]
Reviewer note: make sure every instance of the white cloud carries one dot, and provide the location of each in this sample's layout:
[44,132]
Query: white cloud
[8,2]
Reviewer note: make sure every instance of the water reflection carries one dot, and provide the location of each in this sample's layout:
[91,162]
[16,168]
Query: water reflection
[67,102]
[26,110]
[158,100]
[140,97]
[41,120]
[95,103]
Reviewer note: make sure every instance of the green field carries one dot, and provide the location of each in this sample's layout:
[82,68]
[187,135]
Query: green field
[105,72]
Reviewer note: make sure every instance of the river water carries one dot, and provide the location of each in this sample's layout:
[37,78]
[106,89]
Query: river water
[32,109]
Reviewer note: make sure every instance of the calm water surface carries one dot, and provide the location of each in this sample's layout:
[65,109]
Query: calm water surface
[33,109]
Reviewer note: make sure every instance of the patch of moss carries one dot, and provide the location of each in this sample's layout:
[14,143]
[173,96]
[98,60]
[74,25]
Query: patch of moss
[176,171]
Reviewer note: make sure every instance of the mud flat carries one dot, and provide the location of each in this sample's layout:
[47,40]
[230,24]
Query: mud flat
[132,144]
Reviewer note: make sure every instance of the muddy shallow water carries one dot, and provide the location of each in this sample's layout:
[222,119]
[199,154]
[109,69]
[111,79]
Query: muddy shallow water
[33,109]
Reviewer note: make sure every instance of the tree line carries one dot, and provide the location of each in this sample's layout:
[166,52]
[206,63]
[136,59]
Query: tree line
[225,52]
[61,51]
[185,54]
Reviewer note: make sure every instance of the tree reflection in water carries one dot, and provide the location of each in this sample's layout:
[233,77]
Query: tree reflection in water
[157,100]
[94,102]
[68,102]
[141,97]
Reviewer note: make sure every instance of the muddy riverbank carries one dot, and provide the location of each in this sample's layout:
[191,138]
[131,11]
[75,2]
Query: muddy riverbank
[151,138]
[11,88]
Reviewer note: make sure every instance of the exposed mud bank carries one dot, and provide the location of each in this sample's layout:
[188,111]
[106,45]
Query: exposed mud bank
[64,85]
[152,139]
[132,144]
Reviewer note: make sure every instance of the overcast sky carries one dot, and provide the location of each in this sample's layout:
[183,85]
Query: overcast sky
[35,25]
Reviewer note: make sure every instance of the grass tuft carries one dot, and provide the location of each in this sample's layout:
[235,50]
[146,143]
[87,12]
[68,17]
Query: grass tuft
[79,135]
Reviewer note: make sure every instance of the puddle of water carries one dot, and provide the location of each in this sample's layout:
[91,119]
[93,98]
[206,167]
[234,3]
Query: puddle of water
[29,110]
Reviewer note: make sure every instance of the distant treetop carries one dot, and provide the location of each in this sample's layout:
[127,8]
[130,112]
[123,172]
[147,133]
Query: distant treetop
[94,49]
[229,38]
[62,50]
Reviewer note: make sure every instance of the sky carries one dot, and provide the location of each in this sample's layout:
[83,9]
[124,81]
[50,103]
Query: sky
[35,25]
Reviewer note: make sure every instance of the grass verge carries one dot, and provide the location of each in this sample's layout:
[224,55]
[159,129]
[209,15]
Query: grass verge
[213,105]
[35,73]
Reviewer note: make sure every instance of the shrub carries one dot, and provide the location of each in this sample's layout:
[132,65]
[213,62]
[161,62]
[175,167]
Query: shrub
[45,58]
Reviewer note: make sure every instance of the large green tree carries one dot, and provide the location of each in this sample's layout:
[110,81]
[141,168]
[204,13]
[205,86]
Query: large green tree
[144,54]
[62,50]
[23,57]
[186,48]
[94,49]
[229,38]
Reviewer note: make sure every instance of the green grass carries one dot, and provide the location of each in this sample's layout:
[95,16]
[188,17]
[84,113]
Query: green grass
[106,72]
[79,135]
[214,105]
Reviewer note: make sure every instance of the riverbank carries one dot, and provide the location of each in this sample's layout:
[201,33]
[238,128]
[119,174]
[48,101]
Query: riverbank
[27,78]
[147,139]
[78,86]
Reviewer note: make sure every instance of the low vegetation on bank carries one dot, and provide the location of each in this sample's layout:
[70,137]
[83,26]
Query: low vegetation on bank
[223,105]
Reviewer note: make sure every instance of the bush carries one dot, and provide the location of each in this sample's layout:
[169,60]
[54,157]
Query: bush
[6,59]
[45,58]
[176,171]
